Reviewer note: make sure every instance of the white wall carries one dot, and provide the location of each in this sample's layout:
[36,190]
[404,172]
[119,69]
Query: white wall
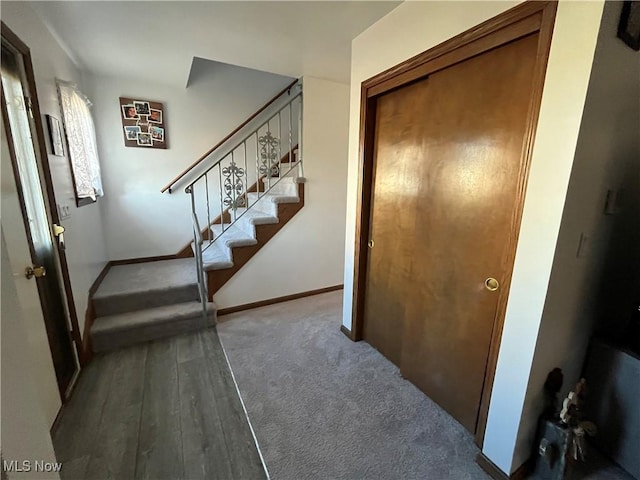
[414,27]
[308,253]
[25,431]
[86,252]
[570,60]
[139,221]
[619,131]
[607,157]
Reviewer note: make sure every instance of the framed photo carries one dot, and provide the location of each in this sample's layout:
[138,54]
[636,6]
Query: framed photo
[131,132]
[155,116]
[129,112]
[143,123]
[142,108]
[55,136]
[144,139]
[157,133]
[629,26]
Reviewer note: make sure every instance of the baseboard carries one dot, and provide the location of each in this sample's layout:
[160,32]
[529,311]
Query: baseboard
[494,472]
[347,332]
[271,301]
[490,467]
[131,261]
[90,315]
[524,471]
[56,421]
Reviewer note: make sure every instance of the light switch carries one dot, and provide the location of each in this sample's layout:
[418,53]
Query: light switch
[64,211]
[613,202]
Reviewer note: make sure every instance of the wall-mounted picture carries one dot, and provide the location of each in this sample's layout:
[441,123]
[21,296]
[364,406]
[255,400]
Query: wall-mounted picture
[142,108]
[144,139]
[143,123]
[131,132]
[55,136]
[157,134]
[129,112]
[155,116]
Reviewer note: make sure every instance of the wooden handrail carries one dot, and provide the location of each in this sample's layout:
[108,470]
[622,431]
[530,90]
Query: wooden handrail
[224,140]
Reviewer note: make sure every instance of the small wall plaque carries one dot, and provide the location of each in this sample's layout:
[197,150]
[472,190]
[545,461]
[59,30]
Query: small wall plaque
[55,136]
[143,123]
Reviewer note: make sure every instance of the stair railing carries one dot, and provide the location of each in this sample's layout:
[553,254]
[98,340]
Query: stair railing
[246,171]
[236,132]
[197,241]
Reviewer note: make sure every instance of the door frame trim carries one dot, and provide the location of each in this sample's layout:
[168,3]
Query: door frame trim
[517,22]
[11,38]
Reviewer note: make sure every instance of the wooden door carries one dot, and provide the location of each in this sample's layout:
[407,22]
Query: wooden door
[19,152]
[396,181]
[450,149]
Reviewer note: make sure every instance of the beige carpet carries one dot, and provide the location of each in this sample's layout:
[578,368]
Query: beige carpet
[324,407]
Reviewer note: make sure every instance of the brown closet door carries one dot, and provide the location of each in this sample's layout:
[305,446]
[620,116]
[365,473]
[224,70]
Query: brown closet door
[449,151]
[397,174]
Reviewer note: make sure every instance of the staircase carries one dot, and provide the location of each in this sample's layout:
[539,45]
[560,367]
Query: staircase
[144,301]
[239,241]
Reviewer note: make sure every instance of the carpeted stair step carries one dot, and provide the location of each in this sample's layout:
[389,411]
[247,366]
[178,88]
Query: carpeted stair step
[141,286]
[216,256]
[268,202]
[233,236]
[249,218]
[287,186]
[262,210]
[115,331]
[256,216]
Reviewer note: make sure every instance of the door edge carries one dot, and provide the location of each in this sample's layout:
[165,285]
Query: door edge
[14,40]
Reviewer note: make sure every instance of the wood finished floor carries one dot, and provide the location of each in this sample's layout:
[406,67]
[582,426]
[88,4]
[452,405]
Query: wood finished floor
[162,410]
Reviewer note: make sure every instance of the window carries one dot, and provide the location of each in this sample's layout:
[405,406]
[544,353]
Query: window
[81,138]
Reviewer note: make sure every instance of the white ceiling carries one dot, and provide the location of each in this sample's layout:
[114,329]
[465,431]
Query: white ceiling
[157,40]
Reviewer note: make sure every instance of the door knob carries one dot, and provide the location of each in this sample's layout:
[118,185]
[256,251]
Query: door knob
[491,284]
[371,243]
[37,272]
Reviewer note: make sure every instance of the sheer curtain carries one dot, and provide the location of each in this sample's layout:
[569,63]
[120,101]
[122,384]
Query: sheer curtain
[81,135]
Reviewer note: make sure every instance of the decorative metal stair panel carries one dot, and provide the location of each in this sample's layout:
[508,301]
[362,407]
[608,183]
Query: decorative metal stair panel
[218,275]
[232,246]
[247,195]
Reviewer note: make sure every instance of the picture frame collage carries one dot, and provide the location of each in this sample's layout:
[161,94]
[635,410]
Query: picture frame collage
[143,123]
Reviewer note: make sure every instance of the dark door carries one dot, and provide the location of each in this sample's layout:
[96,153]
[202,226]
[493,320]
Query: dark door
[22,139]
[448,153]
[396,180]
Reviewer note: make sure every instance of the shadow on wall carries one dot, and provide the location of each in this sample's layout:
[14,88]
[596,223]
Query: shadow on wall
[620,281]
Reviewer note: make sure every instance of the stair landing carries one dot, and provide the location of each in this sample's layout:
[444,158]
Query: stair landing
[145,301]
